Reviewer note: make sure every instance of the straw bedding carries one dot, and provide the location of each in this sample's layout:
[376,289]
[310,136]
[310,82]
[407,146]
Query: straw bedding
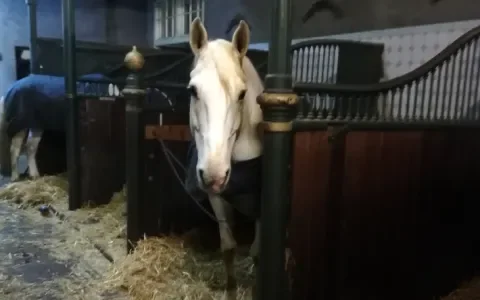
[104,225]
[468,291]
[165,268]
[32,193]
[186,267]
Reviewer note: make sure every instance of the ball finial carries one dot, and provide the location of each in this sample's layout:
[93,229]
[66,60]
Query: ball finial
[134,60]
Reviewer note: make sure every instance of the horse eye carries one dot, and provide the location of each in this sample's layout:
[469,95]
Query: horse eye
[193,91]
[242,95]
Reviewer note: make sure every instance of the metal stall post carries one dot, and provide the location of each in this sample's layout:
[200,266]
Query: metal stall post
[73,115]
[134,96]
[278,103]
[32,16]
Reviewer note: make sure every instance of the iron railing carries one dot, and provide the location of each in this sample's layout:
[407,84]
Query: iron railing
[442,91]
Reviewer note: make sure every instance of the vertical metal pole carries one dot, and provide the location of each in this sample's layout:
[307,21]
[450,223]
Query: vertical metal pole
[73,118]
[32,16]
[134,96]
[278,103]
[110,24]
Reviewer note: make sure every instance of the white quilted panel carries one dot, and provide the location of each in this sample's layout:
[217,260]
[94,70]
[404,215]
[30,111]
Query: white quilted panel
[408,48]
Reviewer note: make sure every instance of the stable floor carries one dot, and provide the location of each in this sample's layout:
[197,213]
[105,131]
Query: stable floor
[40,257]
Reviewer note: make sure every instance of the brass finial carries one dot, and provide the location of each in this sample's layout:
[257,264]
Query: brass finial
[134,60]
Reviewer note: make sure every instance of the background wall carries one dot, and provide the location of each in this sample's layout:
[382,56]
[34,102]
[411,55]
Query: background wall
[360,15]
[124,22]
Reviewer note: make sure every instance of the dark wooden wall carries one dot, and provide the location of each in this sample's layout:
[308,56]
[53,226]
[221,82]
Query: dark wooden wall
[384,214]
[51,154]
[103,149]
[169,209]
[102,133]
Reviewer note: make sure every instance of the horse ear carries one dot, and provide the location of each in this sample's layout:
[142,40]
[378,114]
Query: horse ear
[241,38]
[198,35]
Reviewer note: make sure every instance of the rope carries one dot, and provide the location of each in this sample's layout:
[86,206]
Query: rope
[169,156]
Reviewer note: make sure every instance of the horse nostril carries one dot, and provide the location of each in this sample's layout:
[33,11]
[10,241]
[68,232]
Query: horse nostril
[227,173]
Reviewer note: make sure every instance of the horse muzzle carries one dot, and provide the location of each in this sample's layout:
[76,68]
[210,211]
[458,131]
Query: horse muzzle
[215,184]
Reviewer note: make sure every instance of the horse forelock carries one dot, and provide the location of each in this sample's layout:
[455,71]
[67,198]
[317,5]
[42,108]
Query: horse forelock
[220,56]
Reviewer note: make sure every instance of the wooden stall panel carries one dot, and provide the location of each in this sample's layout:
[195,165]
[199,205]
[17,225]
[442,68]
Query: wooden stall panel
[455,210]
[382,177]
[168,132]
[405,227]
[51,154]
[103,149]
[308,218]
[170,209]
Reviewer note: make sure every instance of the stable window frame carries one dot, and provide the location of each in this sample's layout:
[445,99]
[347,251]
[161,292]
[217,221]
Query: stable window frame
[172,19]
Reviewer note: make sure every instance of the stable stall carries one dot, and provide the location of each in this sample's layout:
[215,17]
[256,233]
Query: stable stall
[91,145]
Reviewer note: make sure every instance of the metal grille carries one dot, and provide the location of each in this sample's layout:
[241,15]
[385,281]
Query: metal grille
[445,89]
[315,64]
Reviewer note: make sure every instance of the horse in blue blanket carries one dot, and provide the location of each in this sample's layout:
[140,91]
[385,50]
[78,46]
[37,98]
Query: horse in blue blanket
[32,105]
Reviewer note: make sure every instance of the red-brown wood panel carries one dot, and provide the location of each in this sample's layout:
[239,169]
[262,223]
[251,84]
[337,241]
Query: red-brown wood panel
[307,231]
[405,216]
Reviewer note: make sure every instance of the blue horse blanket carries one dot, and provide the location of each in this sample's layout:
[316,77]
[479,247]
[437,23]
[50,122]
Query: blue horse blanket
[38,101]
[243,189]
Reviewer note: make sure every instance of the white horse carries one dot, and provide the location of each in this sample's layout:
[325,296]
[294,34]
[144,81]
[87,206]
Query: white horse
[25,141]
[224,117]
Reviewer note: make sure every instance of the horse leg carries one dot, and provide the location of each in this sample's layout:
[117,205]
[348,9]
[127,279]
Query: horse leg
[229,214]
[32,147]
[255,247]
[15,149]
[227,243]
[255,250]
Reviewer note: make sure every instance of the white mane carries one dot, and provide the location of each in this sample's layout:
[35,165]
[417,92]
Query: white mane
[249,144]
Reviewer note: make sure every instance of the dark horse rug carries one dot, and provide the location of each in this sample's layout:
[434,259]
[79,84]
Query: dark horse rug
[243,189]
[38,101]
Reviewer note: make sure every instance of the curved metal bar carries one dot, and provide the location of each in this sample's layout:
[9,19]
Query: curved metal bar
[396,82]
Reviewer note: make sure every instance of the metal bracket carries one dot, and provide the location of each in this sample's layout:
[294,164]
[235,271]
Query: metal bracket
[335,132]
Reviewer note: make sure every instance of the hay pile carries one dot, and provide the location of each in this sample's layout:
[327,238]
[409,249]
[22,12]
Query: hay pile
[159,269]
[164,269]
[44,190]
[467,291]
